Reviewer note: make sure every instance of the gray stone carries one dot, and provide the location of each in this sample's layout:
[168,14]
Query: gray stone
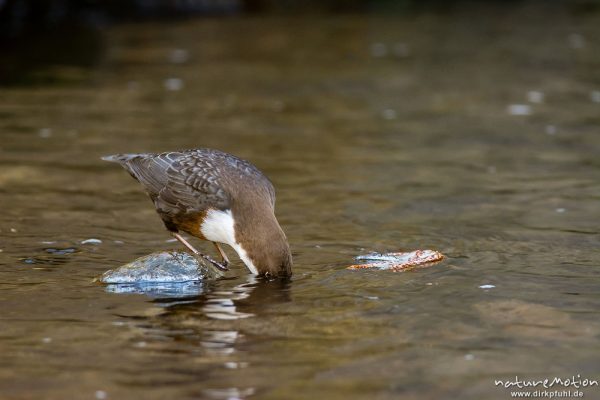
[162,267]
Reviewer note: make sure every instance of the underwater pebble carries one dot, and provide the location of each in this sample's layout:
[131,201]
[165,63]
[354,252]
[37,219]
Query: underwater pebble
[560,210]
[119,242]
[173,84]
[60,252]
[235,365]
[401,50]
[595,96]
[101,394]
[91,241]
[388,114]
[379,50]
[487,286]
[277,105]
[47,340]
[534,96]
[469,357]
[132,85]
[13,230]
[229,393]
[550,130]
[179,56]
[140,344]
[45,133]
[519,109]
[576,41]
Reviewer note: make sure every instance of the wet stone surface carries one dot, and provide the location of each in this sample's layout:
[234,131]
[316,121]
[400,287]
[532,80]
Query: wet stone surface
[161,275]
[165,267]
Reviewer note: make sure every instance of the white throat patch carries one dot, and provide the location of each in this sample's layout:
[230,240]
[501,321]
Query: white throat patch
[219,226]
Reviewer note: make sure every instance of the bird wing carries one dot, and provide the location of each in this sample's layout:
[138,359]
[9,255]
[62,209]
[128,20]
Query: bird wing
[195,184]
[234,169]
[175,185]
[192,181]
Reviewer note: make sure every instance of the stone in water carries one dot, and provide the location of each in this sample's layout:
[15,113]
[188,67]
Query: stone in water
[162,267]
[396,262]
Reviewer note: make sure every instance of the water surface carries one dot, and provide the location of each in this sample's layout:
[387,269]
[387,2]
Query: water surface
[380,134]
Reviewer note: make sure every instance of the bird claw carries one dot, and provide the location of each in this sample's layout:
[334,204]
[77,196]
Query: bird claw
[221,266]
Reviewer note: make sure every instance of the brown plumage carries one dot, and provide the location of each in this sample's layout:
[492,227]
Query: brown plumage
[197,191]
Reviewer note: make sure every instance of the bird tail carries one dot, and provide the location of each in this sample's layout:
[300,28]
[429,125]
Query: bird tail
[121,158]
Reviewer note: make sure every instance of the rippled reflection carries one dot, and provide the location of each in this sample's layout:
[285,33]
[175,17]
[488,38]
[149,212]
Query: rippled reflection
[221,304]
[159,290]
[220,342]
[229,393]
[201,333]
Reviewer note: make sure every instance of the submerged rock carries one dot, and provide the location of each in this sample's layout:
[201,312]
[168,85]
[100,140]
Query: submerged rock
[159,290]
[161,267]
[398,261]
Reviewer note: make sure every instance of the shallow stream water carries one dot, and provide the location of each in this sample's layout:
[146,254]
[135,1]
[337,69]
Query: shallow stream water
[380,134]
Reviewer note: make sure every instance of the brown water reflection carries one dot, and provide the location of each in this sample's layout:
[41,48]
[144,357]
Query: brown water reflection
[379,134]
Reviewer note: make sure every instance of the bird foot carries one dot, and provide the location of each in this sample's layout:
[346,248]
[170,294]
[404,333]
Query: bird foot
[221,266]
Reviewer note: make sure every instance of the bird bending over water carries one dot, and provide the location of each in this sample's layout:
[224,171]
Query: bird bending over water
[217,197]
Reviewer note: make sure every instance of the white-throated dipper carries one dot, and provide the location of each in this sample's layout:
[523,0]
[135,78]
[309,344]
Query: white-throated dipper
[218,197]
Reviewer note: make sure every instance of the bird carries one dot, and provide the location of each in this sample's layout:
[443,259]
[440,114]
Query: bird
[218,197]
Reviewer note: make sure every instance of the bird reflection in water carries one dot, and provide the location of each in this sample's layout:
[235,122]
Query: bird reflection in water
[220,304]
[240,302]
[160,290]
[204,333]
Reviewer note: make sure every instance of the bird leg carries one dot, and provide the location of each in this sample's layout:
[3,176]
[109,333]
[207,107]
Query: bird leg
[193,250]
[224,259]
